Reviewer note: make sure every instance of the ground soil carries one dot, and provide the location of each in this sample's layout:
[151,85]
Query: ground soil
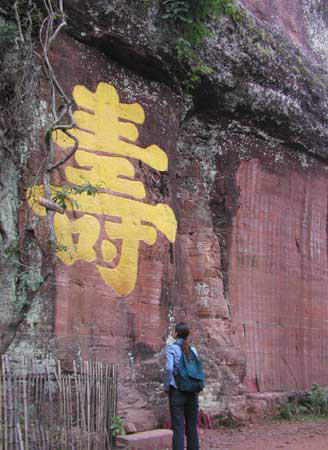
[294,435]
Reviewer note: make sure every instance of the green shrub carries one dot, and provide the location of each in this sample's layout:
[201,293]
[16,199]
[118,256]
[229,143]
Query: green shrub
[293,410]
[191,20]
[194,13]
[117,426]
[316,400]
[313,402]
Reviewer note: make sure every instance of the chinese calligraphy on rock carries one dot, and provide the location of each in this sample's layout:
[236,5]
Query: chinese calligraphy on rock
[107,133]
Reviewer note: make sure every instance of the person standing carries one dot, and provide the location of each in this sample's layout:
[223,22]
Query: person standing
[183,405]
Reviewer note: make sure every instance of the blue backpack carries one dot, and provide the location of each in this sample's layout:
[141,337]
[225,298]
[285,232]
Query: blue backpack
[189,375]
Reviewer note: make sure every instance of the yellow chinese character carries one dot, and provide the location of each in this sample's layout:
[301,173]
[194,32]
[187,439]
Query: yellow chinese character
[130,231]
[112,224]
[105,126]
[123,277]
[76,238]
[106,172]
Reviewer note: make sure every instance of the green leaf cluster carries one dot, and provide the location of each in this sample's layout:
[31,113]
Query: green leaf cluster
[316,400]
[117,426]
[191,20]
[63,196]
[194,14]
[313,402]
[30,279]
[12,249]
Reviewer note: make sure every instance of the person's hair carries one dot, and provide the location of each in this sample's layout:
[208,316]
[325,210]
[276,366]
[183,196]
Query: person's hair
[182,330]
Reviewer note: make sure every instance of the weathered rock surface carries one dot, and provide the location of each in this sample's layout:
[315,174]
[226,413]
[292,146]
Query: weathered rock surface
[246,181]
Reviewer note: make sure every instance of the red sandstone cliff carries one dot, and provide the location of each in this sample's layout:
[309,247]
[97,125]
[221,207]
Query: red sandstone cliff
[246,182]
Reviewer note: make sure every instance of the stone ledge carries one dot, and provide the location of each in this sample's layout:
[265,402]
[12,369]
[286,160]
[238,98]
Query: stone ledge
[152,440]
[261,404]
[272,397]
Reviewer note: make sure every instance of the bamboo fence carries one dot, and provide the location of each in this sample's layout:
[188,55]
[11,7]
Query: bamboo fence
[43,408]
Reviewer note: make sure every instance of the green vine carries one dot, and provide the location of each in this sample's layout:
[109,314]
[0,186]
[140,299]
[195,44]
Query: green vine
[63,195]
[191,20]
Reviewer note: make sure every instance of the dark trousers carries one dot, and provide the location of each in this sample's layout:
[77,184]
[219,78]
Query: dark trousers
[184,410]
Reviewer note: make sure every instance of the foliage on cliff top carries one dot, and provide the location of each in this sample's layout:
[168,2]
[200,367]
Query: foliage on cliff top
[191,20]
[194,14]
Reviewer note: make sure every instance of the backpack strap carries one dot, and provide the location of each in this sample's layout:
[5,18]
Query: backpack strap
[192,349]
[178,345]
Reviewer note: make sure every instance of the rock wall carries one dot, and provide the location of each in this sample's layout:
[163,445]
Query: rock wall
[211,206]
[277,275]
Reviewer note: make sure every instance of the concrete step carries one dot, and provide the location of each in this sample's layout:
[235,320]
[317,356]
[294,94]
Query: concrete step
[151,440]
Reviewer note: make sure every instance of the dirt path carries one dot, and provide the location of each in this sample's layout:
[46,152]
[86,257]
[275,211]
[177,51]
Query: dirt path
[305,435]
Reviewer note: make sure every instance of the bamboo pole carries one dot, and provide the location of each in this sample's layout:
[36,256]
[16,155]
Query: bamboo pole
[69,413]
[52,420]
[19,436]
[70,408]
[110,403]
[76,384]
[18,406]
[105,406]
[88,404]
[103,400]
[78,405]
[1,415]
[90,399]
[29,383]
[32,395]
[49,388]
[38,436]
[64,409]
[67,410]
[10,406]
[24,380]
[91,403]
[61,403]
[84,396]
[34,385]
[48,441]
[83,400]
[33,441]
[15,416]
[97,406]
[42,437]
[94,403]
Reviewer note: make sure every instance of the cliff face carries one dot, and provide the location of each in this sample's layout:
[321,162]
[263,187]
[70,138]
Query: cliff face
[304,22]
[211,206]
